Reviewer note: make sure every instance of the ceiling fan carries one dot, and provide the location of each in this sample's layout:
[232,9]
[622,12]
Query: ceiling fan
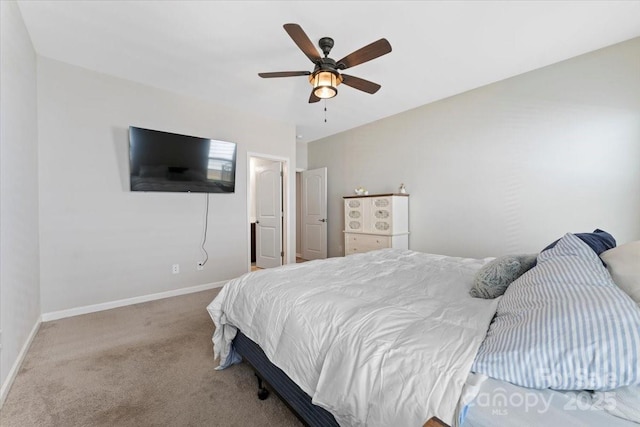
[326,75]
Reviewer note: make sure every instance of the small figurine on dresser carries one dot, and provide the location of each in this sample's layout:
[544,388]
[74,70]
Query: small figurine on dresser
[360,191]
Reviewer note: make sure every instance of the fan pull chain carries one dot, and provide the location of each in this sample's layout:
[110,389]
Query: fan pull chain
[325,111]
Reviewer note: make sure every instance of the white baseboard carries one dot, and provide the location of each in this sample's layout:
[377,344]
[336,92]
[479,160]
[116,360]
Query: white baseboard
[55,315]
[6,386]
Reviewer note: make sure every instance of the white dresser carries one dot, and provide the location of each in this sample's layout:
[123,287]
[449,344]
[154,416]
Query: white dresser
[375,222]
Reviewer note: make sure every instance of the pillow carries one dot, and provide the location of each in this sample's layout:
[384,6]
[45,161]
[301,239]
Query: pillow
[623,264]
[599,241]
[564,325]
[493,279]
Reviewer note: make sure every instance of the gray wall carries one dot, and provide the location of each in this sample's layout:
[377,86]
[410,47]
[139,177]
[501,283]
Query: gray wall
[99,241]
[508,167]
[19,259]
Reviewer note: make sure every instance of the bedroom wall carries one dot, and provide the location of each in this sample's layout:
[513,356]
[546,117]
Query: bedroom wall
[101,242]
[19,259]
[508,167]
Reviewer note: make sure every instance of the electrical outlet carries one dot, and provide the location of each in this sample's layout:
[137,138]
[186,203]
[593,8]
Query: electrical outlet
[175,268]
[199,266]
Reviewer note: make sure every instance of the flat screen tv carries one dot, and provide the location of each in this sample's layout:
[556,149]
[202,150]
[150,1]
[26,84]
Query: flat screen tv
[169,162]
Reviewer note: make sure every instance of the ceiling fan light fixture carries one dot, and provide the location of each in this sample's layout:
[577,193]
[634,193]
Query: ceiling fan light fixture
[326,75]
[325,84]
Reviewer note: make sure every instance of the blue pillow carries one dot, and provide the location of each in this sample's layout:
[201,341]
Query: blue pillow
[599,241]
[564,325]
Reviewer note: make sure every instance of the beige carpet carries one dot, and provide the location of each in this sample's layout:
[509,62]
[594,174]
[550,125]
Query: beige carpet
[148,364]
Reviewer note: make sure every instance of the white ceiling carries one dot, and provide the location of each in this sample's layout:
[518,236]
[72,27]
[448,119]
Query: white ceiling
[214,50]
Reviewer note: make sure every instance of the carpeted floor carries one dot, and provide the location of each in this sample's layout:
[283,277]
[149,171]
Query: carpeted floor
[148,364]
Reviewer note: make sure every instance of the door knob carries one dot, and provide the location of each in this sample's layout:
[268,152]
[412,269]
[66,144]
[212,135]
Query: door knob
[322,220]
[257,222]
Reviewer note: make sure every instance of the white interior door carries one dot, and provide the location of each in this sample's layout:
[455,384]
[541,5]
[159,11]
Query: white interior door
[269,215]
[314,214]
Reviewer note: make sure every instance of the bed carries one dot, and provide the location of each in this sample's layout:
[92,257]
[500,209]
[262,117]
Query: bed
[388,337]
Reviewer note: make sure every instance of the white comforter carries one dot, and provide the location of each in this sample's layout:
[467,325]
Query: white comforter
[378,339]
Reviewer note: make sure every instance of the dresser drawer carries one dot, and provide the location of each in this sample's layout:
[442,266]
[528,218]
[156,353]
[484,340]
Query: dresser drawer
[358,243]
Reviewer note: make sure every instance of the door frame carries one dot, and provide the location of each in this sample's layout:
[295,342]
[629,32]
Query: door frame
[287,219]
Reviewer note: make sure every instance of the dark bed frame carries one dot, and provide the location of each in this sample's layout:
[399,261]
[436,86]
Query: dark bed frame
[293,396]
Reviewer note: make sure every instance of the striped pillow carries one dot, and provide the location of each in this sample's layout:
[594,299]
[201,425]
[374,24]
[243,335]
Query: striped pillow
[564,325]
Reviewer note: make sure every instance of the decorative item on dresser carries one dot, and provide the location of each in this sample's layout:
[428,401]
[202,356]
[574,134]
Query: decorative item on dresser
[376,221]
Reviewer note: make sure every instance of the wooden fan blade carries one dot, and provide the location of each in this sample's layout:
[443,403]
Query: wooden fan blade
[360,84]
[313,98]
[367,53]
[284,74]
[300,38]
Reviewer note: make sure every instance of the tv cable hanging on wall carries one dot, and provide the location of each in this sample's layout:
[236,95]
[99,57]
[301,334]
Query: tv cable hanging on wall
[204,234]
